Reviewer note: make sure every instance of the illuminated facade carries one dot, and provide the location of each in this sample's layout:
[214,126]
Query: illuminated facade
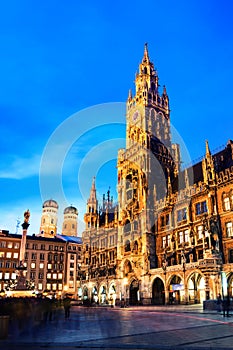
[172,228]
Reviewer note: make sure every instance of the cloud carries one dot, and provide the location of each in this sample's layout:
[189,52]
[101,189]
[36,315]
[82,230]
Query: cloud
[20,168]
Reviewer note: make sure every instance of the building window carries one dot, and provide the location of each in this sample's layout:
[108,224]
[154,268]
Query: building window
[41,275]
[42,256]
[42,247]
[33,256]
[40,286]
[229,231]
[10,245]
[127,246]
[34,246]
[49,266]
[54,286]
[181,237]
[226,202]
[3,244]
[8,255]
[41,265]
[48,286]
[14,265]
[59,286]
[59,276]
[199,232]
[7,276]
[33,265]
[49,275]
[13,276]
[164,241]
[15,255]
[32,275]
[201,208]
[182,214]
[60,267]
[1,264]
[8,264]
[72,265]
[51,247]
[186,235]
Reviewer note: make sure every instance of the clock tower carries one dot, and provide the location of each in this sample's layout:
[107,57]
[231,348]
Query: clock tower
[146,168]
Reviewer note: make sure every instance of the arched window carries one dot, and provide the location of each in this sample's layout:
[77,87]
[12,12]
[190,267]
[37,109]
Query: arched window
[127,246]
[145,70]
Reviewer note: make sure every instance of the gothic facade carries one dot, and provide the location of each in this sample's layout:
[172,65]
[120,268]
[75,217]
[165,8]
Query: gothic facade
[169,238]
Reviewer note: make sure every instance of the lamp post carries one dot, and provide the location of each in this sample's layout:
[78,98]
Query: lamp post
[183,262]
[164,267]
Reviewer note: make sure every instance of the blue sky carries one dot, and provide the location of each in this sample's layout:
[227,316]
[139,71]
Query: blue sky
[58,59]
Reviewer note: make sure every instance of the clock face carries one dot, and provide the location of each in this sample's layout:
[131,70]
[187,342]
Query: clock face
[135,116]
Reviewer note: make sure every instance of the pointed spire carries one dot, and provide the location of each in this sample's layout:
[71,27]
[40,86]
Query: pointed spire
[146,54]
[130,96]
[207,149]
[93,191]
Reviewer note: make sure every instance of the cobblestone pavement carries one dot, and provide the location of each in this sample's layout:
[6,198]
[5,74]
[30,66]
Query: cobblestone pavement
[170,327]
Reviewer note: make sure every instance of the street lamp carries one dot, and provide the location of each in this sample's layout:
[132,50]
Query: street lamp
[164,267]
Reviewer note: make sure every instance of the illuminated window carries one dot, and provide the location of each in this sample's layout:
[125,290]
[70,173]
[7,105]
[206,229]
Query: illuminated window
[186,235]
[33,265]
[15,255]
[229,231]
[13,276]
[48,286]
[10,245]
[59,286]
[16,246]
[226,202]
[181,237]
[1,254]
[164,241]
[49,275]
[60,276]
[0,275]
[7,276]
[54,276]
[54,286]
[199,231]
[49,266]
[8,255]
[40,286]
[41,265]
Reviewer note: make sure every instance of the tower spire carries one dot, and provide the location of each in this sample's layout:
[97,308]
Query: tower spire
[146,54]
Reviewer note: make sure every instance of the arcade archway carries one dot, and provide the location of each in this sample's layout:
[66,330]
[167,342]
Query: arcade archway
[158,294]
[134,293]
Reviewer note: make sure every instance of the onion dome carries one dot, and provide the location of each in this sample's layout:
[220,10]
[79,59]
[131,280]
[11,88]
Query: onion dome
[50,203]
[70,210]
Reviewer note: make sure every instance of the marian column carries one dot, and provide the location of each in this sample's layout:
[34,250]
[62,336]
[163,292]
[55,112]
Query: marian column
[21,285]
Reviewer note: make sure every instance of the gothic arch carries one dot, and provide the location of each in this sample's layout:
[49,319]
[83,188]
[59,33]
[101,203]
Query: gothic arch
[127,268]
[158,291]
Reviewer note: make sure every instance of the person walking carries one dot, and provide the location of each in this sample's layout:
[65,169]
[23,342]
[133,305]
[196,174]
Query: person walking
[67,306]
[226,306]
[219,302]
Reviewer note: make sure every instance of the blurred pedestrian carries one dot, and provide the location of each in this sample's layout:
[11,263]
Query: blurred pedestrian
[226,306]
[67,306]
[219,302]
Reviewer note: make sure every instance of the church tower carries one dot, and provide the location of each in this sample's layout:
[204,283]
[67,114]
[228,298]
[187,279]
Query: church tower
[146,168]
[70,223]
[48,226]
[91,215]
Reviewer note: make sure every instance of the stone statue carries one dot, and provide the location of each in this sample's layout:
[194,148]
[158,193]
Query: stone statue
[26,216]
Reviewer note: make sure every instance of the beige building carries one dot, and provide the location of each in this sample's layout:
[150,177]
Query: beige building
[172,228]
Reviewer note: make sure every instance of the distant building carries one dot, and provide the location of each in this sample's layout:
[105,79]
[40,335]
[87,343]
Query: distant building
[50,266]
[70,223]
[48,226]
